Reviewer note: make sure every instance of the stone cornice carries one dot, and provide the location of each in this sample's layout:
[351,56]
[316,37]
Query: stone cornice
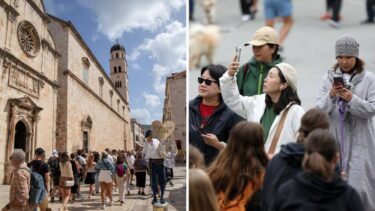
[7,55]
[89,52]
[40,12]
[46,43]
[74,77]
[8,7]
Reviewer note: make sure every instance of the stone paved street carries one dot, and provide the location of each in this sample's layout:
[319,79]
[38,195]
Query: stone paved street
[175,196]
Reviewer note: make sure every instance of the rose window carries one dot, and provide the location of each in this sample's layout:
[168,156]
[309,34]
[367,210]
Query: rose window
[28,38]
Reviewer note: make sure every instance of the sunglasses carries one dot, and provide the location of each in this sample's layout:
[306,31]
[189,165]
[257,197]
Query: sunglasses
[206,81]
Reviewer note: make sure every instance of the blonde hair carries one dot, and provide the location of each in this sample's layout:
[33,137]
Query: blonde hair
[201,193]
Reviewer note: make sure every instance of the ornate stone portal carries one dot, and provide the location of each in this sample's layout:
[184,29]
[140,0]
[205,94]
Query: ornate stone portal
[25,113]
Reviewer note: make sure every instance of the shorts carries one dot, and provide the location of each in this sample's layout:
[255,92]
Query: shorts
[105,176]
[277,8]
[132,171]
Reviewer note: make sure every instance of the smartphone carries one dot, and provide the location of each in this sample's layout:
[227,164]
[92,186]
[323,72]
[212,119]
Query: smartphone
[202,131]
[238,53]
[199,130]
[338,81]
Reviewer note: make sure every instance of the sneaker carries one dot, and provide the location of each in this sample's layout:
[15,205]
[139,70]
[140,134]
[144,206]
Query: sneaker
[367,21]
[334,24]
[143,193]
[139,192]
[110,204]
[246,17]
[171,183]
[52,199]
[122,203]
[162,201]
[103,206]
[154,201]
[128,192]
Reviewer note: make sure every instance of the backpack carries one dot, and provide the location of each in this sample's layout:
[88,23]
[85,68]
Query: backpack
[37,191]
[120,169]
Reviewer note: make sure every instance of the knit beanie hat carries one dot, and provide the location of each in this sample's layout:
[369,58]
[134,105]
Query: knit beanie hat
[347,46]
[290,75]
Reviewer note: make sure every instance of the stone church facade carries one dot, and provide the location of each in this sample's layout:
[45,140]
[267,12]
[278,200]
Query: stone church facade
[53,91]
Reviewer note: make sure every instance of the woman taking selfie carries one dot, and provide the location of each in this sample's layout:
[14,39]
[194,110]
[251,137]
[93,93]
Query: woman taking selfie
[278,110]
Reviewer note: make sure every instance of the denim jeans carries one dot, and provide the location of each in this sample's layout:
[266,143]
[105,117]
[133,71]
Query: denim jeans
[158,177]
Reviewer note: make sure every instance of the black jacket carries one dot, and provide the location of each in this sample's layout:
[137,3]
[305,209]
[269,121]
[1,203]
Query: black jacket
[307,192]
[282,167]
[220,123]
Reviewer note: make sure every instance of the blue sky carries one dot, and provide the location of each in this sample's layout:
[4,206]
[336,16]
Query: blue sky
[152,32]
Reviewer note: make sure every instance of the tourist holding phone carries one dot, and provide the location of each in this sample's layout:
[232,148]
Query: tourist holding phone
[210,120]
[351,107]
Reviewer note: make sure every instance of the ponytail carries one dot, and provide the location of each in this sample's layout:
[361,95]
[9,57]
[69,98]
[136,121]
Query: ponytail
[316,164]
[321,150]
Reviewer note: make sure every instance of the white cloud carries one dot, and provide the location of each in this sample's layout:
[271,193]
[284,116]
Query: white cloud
[152,100]
[144,116]
[141,115]
[114,17]
[168,50]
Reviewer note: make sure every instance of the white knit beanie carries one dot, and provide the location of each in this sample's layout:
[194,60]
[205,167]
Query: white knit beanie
[290,75]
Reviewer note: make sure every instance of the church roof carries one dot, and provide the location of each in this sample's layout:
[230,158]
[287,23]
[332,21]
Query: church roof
[117,47]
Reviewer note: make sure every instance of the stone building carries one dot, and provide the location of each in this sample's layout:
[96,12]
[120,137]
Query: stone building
[54,93]
[28,81]
[175,109]
[92,108]
[138,135]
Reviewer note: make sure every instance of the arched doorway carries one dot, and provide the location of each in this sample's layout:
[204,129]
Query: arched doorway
[20,136]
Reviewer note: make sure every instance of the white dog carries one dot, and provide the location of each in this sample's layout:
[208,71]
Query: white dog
[203,40]
[209,10]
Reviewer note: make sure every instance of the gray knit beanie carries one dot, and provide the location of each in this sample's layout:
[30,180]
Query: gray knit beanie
[347,46]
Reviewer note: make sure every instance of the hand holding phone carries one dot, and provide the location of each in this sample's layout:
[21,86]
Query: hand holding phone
[338,81]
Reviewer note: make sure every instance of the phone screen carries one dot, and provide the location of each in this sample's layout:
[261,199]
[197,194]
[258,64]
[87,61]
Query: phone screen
[338,81]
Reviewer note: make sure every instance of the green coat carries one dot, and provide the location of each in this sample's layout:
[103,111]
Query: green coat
[256,73]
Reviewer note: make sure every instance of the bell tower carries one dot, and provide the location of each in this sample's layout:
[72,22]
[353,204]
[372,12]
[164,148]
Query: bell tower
[119,69]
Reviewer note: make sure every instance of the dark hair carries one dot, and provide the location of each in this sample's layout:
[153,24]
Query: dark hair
[358,67]
[120,159]
[96,156]
[79,151]
[216,71]
[313,119]
[320,151]
[243,161]
[39,151]
[287,96]
[64,157]
[72,155]
[275,53]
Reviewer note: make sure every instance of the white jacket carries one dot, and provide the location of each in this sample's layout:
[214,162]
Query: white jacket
[252,109]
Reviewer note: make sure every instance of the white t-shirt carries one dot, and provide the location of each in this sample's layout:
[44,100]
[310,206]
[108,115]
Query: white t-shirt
[110,159]
[130,160]
[150,150]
